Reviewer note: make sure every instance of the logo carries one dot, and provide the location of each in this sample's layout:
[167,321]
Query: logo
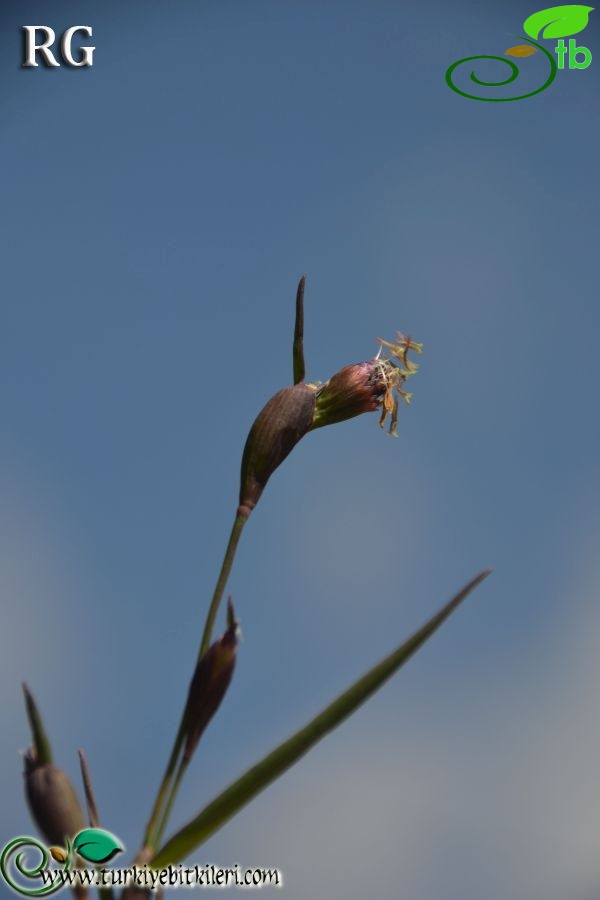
[65,48]
[94,845]
[552,23]
[27,868]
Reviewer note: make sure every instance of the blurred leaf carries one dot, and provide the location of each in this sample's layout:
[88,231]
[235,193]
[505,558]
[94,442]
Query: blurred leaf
[272,766]
[96,845]
[557,21]
[521,50]
[90,797]
[43,753]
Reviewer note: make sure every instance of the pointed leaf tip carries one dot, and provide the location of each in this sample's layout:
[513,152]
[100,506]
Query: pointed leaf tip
[231,619]
[298,346]
[43,752]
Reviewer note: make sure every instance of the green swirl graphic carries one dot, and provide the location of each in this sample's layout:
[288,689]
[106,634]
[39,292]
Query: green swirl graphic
[513,75]
[27,872]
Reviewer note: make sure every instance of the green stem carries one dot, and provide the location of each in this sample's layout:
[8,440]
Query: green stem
[168,788]
[169,805]
[234,537]
[150,839]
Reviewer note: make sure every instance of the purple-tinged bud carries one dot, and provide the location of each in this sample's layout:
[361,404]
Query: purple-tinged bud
[209,684]
[276,430]
[50,794]
[52,800]
[367,386]
[353,390]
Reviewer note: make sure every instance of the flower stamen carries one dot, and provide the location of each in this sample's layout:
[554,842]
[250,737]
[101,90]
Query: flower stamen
[394,370]
[377,383]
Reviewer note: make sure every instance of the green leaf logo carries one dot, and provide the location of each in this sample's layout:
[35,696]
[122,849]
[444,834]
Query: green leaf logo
[557,21]
[96,845]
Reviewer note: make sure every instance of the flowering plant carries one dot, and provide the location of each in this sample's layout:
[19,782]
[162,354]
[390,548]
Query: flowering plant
[377,384]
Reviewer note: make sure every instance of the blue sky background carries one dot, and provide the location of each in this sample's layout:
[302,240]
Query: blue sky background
[158,210]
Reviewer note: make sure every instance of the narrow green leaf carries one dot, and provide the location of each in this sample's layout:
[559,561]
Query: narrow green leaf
[298,347]
[96,845]
[43,753]
[238,794]
[557,21]
[90,797]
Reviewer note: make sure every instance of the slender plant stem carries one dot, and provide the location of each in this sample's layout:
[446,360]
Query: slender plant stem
[169,787]
[150,839]
[169,804]
[234,537]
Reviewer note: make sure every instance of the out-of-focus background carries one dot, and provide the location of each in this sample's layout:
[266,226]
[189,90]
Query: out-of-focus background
[158,210]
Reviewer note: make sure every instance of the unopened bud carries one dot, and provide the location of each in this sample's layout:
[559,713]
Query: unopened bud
[209,684]
[50,794]
[277,429]
[52,800]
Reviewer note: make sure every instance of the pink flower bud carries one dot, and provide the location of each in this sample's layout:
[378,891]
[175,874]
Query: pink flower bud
[209,684]
[367,386]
